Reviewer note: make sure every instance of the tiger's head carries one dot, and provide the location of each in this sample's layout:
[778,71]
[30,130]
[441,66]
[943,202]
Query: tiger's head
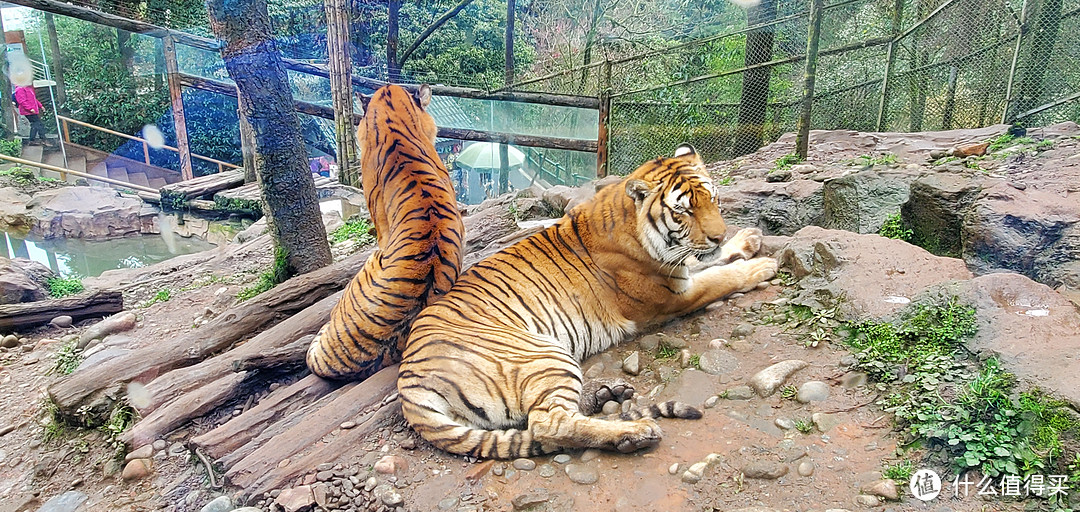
[678,209]
[403,110]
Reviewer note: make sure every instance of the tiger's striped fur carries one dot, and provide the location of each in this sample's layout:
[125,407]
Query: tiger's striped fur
[419,232]
[492,369]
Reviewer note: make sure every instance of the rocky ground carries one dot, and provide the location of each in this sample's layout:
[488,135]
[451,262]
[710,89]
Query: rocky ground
[789,424]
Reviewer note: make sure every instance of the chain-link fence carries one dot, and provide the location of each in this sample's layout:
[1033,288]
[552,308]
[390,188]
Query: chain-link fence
[883,65]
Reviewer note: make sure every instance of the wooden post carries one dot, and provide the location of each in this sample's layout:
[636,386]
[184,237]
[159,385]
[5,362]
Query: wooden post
[57,61]
[146,152]
[172,71]
[605,117]
[802,140]
[67,134]
[508,78]
[1020,29]
[337,42]
[890,60]
[8,114]
[393,69]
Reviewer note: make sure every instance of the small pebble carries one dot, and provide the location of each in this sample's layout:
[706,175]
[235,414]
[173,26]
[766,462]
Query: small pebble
[582,474]
[562,458]
[347,425]
[712,401]
[784,423]
[589,454]
[674,468]
[546,470]
[806,468]
[524,464]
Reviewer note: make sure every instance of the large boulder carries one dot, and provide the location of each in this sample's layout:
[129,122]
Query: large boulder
[936,208]
[91,213]
[862,201]
[776,208]
[23,280]
[13,214]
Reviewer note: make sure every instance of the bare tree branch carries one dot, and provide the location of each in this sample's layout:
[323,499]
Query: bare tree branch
[432,28]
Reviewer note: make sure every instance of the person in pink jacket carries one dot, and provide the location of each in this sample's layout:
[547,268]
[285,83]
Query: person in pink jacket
[29,106]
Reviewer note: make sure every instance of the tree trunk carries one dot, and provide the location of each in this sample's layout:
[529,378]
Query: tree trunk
[57,61]
[435,26]
[393,69]
[508,78]
[1042,36]
[337,42]
[127,51]
[5,90]
[159,64]
[755,86]
[288,189]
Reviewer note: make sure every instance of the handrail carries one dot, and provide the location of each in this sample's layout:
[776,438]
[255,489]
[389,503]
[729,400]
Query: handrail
[146,147]
[80,174]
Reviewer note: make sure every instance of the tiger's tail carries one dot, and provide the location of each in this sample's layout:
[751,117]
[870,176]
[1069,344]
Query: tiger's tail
[669,409]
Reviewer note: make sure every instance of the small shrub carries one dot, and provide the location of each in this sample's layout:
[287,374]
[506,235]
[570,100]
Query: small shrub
[894,228]
[68,358]
[277,274]
[355,229]
[789,392]
[870,160]
[665,351]
[163,295]
[786,161]
[805,426]
[20,176]
[695,361]
[11,147]
[60,287]
[900,472]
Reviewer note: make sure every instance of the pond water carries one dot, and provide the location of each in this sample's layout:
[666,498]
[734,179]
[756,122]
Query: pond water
[82,258]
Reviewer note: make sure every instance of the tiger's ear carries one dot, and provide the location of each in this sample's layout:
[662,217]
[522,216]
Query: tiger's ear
[685,149]
[364,99]
[423,96]
[638,190]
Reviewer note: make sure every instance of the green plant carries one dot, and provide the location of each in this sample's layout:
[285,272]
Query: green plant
[67,358]
[52,428]
[666,351]
[162,295]
[20,176]
[355,229]
[894,228]
[695,361]
[60,287]
[785,162]
[786,278]
[725,181]
[789,392]
[900,471]
[277,274]
[1044,145]
[805,426]
[870,160]
[11,147]
[121,418]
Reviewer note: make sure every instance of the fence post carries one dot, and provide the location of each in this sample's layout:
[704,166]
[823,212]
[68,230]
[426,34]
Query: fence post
[605,114]
[1020,29]
[802,140]
[172,71]
[890,61]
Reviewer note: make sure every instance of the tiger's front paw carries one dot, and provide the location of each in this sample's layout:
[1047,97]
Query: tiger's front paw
[645,433]
[596,392]
[755,271]
[745,244]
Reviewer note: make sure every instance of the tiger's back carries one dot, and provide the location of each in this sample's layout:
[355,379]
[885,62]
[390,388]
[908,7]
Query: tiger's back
[492,369]
[419,233]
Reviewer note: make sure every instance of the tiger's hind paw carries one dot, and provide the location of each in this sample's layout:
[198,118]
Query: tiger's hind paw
[596,392]
[647,435]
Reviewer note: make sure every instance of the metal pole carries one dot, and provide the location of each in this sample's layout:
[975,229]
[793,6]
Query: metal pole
[1021,27]
[52,99]
[890,58]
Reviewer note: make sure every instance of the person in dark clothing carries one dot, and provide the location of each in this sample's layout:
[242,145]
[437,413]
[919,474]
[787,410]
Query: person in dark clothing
[29,106]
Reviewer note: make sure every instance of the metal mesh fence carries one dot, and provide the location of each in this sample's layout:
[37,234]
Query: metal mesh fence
[883,65]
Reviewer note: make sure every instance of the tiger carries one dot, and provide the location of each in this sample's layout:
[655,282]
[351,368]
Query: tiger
[492,369]
[419,234]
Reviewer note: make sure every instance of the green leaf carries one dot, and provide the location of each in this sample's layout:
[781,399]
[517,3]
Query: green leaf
[1001,451]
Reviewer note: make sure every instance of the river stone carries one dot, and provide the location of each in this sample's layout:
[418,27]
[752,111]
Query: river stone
[756,509]
[742,331]
[524,464]
[219,504]
[143,452]
[10,341]
[716,362]
[784,423]
[739,393]
[120,322]
[69,501]
[813,391]
[530,499]
[767,381]
[546,470]
[582,474]
[885,488]
[632,363]
[62,321]
[561,458]
[136,469]
[825,421]
[765,470]
[867,500]
[806,468]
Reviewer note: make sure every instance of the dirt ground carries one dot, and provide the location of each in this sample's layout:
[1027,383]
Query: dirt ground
[843,451]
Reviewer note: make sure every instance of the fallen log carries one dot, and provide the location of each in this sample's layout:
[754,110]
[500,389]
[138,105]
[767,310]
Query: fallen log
[170,394]
[14,317]
[195,188]
[359,402]
[98,385]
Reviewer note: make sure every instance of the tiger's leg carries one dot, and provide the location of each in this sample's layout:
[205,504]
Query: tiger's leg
[596,392]
[713,283]
[745,244]
[557,423]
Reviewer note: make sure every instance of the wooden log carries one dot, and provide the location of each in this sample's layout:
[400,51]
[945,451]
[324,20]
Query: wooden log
[260,469]
[204,185]
[282,345]
[92,385]
[14,317]
[270,412]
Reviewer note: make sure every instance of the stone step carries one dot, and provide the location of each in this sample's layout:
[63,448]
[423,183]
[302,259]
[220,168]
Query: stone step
[32,153]
[157,182]
[118,173]
[138,178]
[54,158]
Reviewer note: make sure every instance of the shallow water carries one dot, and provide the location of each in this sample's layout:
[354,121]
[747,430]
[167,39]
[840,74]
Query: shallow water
[82,258]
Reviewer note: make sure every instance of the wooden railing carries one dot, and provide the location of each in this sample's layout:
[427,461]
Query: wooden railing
[551,171]
[65,171]
[145,145]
